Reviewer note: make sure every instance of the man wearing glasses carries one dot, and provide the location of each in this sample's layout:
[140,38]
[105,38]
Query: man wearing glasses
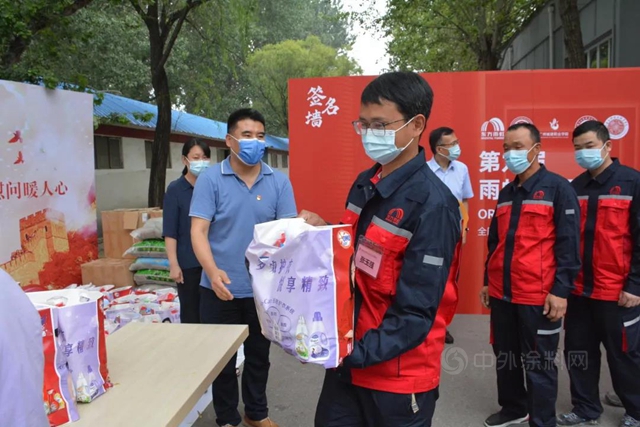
[445,147]
[407,227]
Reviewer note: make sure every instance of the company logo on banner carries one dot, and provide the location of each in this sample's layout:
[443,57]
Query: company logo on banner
[492,129]
[47,196]
[618,126]
[583,119]
[521,119]
[322,106]
[553,130]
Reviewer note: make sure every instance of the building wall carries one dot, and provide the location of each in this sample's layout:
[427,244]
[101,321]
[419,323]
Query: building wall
[600,20]
[128,187]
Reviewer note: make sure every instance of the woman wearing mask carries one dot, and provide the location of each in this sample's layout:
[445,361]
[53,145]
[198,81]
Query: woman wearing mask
[185,268]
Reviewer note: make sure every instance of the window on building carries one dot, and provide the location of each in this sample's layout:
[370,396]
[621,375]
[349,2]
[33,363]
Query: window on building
[148,154]
[599,56]
[285,161]
[274,160]
[222,153]
[107,152]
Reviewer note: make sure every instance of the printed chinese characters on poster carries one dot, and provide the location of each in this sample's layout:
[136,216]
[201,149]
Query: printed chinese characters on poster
[10,190]
[320,105]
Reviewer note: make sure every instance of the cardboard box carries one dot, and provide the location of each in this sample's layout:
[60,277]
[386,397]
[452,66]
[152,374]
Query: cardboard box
[117,226]
[108,271]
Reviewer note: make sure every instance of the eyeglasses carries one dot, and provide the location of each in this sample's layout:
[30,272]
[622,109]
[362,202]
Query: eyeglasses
[377,128]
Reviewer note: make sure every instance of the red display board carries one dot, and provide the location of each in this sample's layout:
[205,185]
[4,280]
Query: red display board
[326,154]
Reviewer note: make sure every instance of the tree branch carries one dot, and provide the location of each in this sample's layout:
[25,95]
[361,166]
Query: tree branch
[178,17]
[455,24]
[138,8]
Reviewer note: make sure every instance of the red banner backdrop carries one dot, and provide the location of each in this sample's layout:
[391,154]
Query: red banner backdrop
[326,154]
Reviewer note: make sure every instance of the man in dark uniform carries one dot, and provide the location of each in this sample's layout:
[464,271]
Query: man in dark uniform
[605,305]
[407,226]
[533,260]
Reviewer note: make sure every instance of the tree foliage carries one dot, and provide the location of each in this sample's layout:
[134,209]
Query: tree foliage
[445,35]
[270,68]
[21,21]
[219,45]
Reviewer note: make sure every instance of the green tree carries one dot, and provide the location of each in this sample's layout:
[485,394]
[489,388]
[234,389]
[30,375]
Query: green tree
[164,20]
[104,46]
[446,35]
[217,81]
[270,68]
[21,21]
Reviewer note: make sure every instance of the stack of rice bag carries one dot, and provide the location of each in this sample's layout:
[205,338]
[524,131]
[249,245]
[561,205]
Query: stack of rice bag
[151,266]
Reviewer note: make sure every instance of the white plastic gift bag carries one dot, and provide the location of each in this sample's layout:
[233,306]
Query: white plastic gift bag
[302,288]
[80,321]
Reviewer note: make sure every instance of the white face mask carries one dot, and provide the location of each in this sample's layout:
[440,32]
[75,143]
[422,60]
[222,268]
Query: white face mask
[196,167]
[382,149]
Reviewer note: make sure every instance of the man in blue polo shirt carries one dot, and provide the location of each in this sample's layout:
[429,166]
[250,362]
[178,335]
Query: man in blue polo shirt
[229,199]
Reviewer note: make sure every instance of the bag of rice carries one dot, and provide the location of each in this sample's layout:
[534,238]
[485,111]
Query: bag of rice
[147,249]
[153,277]
[150,264]
[152,229]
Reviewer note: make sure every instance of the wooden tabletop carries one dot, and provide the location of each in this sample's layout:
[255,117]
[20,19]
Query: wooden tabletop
[159,372]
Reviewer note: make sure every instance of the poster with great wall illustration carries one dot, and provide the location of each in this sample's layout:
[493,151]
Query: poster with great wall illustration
[48,225]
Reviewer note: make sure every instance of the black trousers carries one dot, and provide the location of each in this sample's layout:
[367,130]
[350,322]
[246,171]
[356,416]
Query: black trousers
[189,294]
[239,311]
[343,404]
[525,344]
[588,324]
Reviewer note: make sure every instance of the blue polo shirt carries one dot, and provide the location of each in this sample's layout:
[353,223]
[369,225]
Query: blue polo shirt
[221,197]
[176,222]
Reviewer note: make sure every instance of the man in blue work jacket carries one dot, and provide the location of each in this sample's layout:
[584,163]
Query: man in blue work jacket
[604,308]
[408,232]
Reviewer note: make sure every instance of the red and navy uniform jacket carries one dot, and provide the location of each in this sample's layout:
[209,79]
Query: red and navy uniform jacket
[534,240]
[402,314]
[610,232]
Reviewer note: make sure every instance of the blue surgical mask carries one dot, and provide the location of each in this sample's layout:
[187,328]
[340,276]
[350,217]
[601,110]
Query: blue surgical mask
[517,160]
[590,158]
[196,167]
[382,149]
[251,151]
[454,153]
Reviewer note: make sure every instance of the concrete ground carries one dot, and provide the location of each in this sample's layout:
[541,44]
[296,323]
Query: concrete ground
[467,390]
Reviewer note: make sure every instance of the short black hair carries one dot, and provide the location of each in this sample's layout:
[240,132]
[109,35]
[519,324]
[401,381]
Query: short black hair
[593,126]
[242,114]
[408,90]
[535,133]
[186,149]
[436,136]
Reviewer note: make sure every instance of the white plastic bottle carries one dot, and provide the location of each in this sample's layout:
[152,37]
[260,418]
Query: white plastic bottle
[318,344]
[82,388]
[302,334]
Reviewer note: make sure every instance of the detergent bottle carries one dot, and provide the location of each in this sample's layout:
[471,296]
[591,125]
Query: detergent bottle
[318,343]
[302,334]
[82,388]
